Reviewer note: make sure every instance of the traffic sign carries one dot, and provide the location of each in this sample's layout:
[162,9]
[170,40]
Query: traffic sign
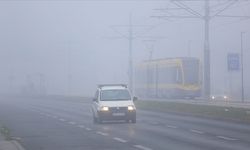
[233,62]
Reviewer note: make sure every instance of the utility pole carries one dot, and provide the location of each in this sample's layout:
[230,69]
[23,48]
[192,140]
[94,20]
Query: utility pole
[131,68]
[189,48]
[206,17]
[206,54]
[242,68]
[42,87]
[131,36]
[69,69]
[150,47]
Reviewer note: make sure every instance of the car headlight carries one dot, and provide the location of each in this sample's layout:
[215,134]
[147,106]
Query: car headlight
[225,97]
[213,97]
[104,108]
[130,108]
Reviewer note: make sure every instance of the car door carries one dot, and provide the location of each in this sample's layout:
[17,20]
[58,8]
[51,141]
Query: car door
[95,104]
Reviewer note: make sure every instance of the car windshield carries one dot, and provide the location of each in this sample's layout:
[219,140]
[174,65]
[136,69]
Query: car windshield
[113,95]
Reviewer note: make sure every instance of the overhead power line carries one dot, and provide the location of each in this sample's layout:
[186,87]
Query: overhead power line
[131,35]
[209,13]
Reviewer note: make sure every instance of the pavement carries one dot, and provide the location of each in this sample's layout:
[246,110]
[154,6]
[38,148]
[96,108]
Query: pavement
[9,145]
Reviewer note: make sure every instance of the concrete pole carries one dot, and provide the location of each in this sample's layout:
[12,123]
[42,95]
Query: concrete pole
[69,69]
[242,68]
[206,78]
[130,55]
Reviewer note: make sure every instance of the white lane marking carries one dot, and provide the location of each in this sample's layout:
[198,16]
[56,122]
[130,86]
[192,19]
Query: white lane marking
[120,140]
[170,126]
[196,131]
[102,133]
[142,147]
[72,122]
[81,126]
[62,119]
[226,138]
[88,129]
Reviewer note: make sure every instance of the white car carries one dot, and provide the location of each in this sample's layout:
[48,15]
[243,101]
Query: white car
[113,102]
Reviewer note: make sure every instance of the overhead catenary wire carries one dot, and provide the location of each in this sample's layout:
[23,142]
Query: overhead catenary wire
[207,17]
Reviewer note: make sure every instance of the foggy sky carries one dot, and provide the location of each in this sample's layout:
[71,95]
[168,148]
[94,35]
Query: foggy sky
[59,38]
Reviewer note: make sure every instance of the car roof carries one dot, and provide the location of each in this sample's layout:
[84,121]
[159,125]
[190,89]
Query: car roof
[112,86]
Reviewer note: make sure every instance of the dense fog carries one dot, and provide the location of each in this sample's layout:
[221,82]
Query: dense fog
[68,47]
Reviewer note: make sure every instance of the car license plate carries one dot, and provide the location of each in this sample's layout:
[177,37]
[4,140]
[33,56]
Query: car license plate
[118,114]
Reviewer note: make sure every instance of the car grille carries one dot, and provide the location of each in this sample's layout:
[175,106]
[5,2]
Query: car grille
[118,109]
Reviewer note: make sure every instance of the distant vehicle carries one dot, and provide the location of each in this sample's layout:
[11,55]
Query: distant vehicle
[219,97]
[168,78]
[113,102]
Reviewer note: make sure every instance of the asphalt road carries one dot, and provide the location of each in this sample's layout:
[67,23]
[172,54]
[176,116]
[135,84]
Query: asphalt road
[62,124]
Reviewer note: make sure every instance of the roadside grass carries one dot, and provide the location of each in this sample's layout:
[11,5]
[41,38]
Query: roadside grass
[5,132]
[217,112]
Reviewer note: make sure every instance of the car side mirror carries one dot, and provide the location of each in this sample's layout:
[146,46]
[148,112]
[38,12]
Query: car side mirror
[94,99]
[135,98]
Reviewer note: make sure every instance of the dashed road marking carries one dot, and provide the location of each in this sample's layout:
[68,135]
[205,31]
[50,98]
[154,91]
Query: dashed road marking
[88,129]
[226,138]
[62,119]
[170,126]
[119,139]
[102,133]
[196,131]
[142,147]
[81,126]
[72,122]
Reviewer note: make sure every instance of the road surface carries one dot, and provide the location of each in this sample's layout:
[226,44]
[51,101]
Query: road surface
[62,124]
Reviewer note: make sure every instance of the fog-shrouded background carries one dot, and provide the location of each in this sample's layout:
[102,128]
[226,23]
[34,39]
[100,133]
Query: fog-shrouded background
[68,47]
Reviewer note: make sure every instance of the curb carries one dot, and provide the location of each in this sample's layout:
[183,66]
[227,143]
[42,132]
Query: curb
[18,146]
[10,145]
